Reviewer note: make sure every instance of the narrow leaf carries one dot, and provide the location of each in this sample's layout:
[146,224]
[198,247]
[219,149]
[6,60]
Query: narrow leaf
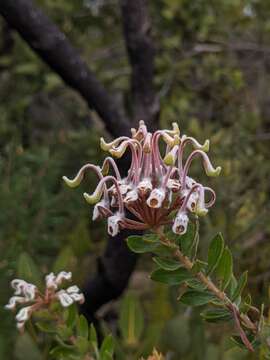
[167,264]
[225,268]
[107,348]
[196,298]
[27,269]
[240,286]
[93,335]
[82,326]
[131,321]
[216,315]
[174,277]
[140,244]
[215,252]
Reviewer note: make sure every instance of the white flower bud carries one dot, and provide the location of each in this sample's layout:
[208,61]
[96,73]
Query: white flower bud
[180,223]
[50,281]
[30,291]
[156,198]
[145,186]
[190,182]
[96,212]
[192,200]
[124,188]
[24,314]
[64,298]
[78,298]
[73,289]
[18,285]
[113,224]
[13,301]
[63,275]
[173,185]
[131,196]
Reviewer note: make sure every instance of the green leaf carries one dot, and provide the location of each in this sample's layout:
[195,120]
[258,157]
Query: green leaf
[131,321]
[167,264]
[188,240]
[71,315]
[107,348]
[82,327]
[195,284]
[93,335]
[140,244]
[215,253]
[175,277]
[225,268]
[27,270]
[198,266]
[46,327]
[82,344]
[196,298]
[26,348]
[216,315]
[240,286]
[64,260]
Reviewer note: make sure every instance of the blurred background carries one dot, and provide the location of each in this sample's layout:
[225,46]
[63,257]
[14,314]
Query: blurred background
[211,75]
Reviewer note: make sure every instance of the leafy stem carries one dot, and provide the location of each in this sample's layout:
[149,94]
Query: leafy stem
[241,319]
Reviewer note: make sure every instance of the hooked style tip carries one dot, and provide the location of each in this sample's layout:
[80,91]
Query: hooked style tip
[206,146]
[90,199]
[71,183]
[215,172]
[176,128]
[104,146]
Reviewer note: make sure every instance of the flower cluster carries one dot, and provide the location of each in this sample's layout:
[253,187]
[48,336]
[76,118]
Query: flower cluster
[157,189]
[32,299]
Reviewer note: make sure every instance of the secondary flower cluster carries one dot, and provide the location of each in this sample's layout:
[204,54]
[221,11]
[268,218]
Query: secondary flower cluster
[32,299]
[156,189]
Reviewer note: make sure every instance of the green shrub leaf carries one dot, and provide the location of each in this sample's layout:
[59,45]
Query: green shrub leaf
[216,315]
[240,286]
[142,244]
[215,252]
[167,264]
[196,298]
[175,277]
[225,268]
[131,321]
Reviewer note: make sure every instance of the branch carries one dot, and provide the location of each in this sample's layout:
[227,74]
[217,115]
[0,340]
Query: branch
[55,49]
[141,52]
[114,270]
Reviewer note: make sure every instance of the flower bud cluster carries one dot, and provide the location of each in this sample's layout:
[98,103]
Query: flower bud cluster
[156,189]
[28,297]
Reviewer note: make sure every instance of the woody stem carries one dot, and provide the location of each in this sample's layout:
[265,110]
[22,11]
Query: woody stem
[205,280]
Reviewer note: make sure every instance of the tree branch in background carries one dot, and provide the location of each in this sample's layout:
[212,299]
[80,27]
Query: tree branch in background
[117,263]
[141,52]
[54,48]
[114,270]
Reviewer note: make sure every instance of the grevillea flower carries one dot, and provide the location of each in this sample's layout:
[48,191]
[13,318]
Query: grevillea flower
[156,189]
[32,299]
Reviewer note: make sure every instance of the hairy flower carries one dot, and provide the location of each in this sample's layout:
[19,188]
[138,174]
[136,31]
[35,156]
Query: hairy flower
[32,299]
[156,189]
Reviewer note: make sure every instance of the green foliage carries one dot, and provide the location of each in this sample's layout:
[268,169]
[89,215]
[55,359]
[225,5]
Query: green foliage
[225,268]
[215,252]
[196,298]
[175,277]
[142,244]
[131,320]
[211,75]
